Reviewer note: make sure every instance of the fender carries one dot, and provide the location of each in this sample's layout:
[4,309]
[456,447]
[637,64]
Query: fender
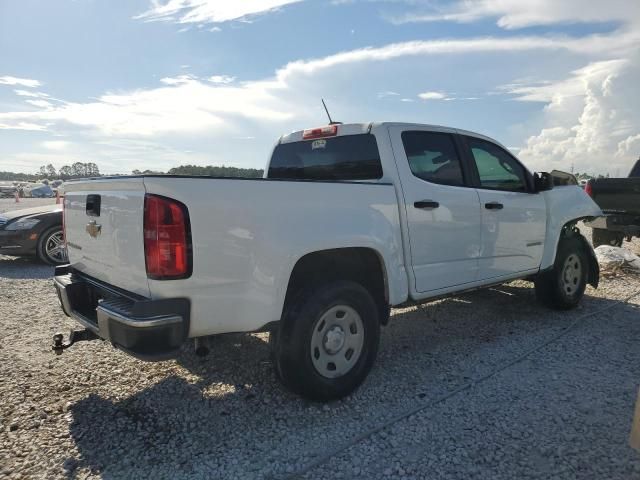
[566,205]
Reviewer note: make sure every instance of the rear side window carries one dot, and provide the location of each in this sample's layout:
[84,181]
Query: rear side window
[350,157]
[433,157]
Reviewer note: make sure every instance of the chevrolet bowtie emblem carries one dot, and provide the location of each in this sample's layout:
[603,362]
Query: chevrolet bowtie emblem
[94,229]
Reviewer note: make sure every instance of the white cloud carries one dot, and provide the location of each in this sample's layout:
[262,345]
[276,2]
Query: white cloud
[433,96]
[184,105]
[23,82]
[20,125]
[611,44]
[592,119]
[27,93]
[187,104]
[629,147]
[180,79]
[39,103]
[221,79]
[557,92]
[388,93]
[209,11]
[513,14]
[55,144]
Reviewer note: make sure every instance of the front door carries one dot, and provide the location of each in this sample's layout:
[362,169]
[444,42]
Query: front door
[442,210]
[513,217]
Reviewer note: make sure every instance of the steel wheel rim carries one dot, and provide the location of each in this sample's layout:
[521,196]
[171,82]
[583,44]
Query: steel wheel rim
[54,247]
[571,275]
[337,341]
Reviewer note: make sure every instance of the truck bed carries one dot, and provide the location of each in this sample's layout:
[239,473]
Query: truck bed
[246,234]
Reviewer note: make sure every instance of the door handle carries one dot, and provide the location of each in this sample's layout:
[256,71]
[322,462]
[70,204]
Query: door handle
[426,204]
[493,206]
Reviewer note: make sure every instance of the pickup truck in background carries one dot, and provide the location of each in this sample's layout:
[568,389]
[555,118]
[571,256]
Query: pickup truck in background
[619,199]
[349,220]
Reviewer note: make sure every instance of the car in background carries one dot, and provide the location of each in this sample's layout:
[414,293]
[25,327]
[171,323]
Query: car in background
[7,191]
[41,191]
[34,232]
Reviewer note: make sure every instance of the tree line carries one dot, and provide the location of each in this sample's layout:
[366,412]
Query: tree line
[84,170]
[214,171]
[49,172]
[66,172]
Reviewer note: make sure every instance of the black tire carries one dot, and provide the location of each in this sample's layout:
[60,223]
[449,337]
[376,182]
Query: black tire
[42,250]
[562,287]
[600,236]
[304,317]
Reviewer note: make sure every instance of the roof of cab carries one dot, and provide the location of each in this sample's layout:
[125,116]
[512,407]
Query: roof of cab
[359,128]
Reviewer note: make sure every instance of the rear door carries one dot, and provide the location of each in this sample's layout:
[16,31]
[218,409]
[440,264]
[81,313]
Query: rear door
[442,211]
[513,217]
[104,231]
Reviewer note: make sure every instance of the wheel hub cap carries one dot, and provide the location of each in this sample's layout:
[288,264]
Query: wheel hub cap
[337,341]
[334,340]
[571,274]
[55,249]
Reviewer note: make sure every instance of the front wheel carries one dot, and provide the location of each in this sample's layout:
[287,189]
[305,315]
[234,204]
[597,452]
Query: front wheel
[51,248]
[563,286]
[327,341]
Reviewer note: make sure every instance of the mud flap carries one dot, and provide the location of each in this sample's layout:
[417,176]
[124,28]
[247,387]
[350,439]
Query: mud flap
[594,268]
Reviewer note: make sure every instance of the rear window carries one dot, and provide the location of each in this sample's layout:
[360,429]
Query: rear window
[351,157]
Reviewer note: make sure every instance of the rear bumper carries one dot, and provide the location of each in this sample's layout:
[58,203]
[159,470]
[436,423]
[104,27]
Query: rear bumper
[146,329]
[626,224]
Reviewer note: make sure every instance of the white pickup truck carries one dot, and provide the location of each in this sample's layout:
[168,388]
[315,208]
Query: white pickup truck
[348,221]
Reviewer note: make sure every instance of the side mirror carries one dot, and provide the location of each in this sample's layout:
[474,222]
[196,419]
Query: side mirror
[542,182]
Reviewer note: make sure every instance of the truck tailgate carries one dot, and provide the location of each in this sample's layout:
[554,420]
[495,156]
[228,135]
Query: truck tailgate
[104,231]
[617,194]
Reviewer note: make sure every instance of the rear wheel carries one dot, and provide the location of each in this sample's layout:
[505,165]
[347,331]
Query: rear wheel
[600,236]
[564,285]
[50,248]
[327,341]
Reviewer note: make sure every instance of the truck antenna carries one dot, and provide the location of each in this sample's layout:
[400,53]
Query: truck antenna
[331,122]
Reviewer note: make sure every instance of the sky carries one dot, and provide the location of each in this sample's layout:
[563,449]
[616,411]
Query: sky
[153,84]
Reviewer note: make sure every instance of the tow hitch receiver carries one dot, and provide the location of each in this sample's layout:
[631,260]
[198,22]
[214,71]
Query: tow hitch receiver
[74,336]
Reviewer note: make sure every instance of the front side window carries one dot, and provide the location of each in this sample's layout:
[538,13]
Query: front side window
[497,169]
[349,157]
[433,157]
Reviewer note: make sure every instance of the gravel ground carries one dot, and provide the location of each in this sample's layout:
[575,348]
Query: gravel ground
[563,413]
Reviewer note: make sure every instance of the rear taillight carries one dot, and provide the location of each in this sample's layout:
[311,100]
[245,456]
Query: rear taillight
[588,188]
[64,223]
[167,238]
